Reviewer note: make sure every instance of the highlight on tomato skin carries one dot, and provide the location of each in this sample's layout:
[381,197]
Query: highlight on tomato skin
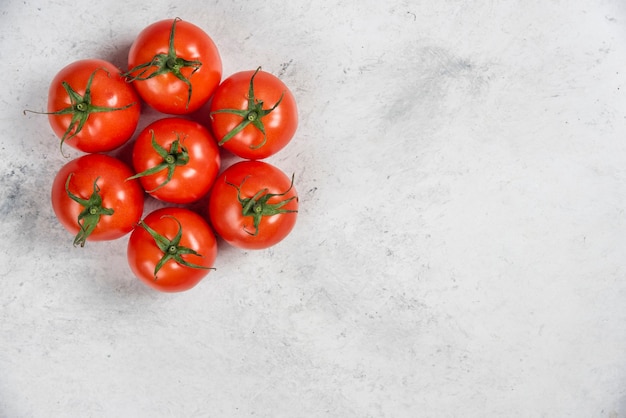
[175,66]
[172,249]
[253,205]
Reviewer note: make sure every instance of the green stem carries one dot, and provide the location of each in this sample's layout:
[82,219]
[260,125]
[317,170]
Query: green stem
[80,108]
[166,63]
[89,217]
[176,156]
[172,250]
[252,115]
[257,206]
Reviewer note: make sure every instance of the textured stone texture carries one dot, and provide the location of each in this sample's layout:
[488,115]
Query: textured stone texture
[459,250]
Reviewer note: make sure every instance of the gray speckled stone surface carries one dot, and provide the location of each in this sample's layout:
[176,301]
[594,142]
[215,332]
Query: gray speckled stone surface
[459,250]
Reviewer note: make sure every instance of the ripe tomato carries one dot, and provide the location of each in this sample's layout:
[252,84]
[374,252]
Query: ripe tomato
[172,249]
[175,66]
[253,114]
[176,159]
[253,205]
[91,107]
[92,198]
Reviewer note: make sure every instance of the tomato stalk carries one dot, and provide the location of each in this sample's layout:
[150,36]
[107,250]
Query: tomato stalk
[80,108]
[164,64]
[252,115]
[257,206]
[89,217]
[172,250]
[176,156]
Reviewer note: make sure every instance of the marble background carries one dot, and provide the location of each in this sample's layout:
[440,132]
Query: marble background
[459,250]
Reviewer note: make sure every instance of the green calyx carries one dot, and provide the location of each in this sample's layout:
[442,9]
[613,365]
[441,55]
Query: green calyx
[176,156]
[89,217]
[164,64]
[81,108]
[252,115]
[257,206]
[171,248]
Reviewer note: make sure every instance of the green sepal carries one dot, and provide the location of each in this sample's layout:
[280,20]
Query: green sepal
[176,156]
[166,63]
[80,108]
[257,206]
[172,250]
[89,217]
[252,115]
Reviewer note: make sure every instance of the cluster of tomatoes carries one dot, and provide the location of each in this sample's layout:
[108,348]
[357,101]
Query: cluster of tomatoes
[175,68]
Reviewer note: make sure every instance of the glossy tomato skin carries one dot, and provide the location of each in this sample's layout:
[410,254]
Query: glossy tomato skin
[225,210]
[190,181]
[166,93]
[280,124]
[143,254]
[103,131]
[126,198]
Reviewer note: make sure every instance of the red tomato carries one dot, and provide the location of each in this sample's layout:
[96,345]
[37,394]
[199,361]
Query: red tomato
[253,205]
[253,114]
[175,66]
[172,249]
[91,107]
[176,159]
[92,198]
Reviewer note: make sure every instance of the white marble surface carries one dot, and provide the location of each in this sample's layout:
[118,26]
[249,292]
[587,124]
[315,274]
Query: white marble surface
[460,245]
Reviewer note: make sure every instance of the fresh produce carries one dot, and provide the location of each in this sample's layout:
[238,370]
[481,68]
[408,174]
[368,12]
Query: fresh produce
[175,66]
[93,199]
[91,107]
[253,114]
[175,159]
[253,205]
[172,249]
